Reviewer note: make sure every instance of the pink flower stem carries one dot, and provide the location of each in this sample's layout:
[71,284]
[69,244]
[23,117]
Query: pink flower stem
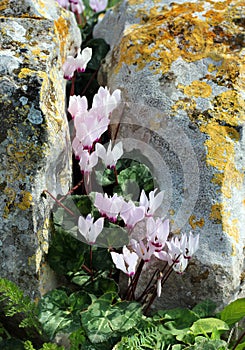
[59,203]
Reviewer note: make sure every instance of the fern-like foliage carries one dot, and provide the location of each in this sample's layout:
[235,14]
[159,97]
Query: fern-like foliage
[13,301]
[148,338]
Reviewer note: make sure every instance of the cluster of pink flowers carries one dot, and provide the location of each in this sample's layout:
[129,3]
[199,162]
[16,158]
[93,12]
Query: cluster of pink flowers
[77,6]
[89,125]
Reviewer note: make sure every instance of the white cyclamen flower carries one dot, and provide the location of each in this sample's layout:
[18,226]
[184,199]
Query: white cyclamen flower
[109,156]
[90,229]
[126,261]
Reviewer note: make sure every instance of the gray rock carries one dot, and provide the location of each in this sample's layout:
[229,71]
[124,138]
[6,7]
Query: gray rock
[35,150]
[180,66]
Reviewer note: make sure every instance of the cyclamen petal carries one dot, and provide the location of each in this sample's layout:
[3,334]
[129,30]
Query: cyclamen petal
[77,6]
[90,229]
[153,203]
[109,206]
[78,106]
[83,59]
[143,249]
[109,157]
[126,262]
[69,67]
[104,102]
[87,161]
[64,3]
[79,63]
[98,5]
[131,214]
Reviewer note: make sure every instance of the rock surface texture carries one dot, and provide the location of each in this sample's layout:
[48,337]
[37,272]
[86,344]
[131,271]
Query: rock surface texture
[181,68]
[36,37]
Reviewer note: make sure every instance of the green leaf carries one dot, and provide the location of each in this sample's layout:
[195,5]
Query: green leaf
[99,48]
[112,236]
[208,325]
[240,346]
[178,318]
[60,312]
[103,320]
[205,308]
[77,339]
[11,344]
[65,252]
[233,312]
[135,178]
[207,344]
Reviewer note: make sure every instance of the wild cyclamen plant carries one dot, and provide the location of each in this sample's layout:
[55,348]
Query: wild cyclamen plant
[149,236]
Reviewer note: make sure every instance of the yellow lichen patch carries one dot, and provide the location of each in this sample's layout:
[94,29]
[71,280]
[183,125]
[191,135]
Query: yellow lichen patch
[228,107]
[4,4]
[165,34]
[194,222]
[198,89]
[62,31]
[26,201]
[220,144]
[216,212]
[26,71]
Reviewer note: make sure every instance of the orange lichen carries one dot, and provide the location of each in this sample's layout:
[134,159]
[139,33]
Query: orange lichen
[198,89]
[194,222]
[62,31]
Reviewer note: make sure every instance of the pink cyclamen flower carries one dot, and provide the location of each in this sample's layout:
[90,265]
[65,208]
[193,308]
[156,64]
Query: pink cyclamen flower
[143,249]
[98,5]
[109,156]
[77,148]
[77,6]
[153,203]
[78,106]
[90,229]
[64,3]
[77,64]
[87,161]
[131,214]
[126,262]
[104,102]
[109,206]
[89,128]
[157,232]
[189,245]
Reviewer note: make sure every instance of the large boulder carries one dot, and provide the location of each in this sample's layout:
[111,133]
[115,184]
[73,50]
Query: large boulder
[36,37]
[180,66]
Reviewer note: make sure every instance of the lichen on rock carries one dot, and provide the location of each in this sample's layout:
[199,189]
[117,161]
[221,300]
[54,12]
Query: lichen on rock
[180,66]
[36,37]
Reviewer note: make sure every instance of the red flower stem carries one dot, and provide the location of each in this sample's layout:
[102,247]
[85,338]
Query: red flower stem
[72,190]
[72,92]
[148,285]
[59,203]
[85,268]
[78,18]
[238,340]
[89,82]
[133,284]
[115,173]
[91,260]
